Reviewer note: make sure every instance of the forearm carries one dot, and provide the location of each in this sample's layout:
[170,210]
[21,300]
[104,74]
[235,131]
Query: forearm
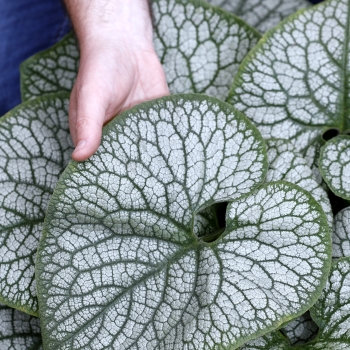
[96,20]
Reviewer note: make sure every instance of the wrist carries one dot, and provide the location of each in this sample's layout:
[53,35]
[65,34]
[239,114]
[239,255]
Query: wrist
[111,22]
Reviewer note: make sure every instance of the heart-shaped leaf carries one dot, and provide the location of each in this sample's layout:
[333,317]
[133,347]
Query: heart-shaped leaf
[341,234]
[334,164]
[18,331]
[262,15]
[119,265]
[199,46]
[295,83]
[35,147]
[285,163]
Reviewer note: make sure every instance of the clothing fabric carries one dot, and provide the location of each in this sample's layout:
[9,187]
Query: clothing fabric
[26,27]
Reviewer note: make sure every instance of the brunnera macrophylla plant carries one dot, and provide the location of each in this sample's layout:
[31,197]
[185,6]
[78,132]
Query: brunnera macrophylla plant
[330,313]
[35,147]
[294,85]
[262,15]
[134,253]
[119,264]
[26,125]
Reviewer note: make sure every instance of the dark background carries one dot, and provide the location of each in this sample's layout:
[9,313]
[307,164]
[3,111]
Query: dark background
[315,1]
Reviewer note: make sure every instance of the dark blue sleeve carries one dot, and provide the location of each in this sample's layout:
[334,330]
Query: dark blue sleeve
[26,27]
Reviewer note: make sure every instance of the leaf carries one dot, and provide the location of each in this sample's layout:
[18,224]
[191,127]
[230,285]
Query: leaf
[35,147]
[52,70]
[200,48]
[334,164]
[285,163]
[271,341]
[294,84]
[119,262]
[18,331]
[341,234]
[301,330]
[331,312]
[262,15]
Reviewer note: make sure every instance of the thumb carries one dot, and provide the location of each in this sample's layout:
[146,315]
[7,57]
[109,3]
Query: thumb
[90,115]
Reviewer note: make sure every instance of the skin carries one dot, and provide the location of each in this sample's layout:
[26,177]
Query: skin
[118,66]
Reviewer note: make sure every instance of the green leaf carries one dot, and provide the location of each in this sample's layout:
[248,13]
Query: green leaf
[341,234]
[35,147]
[295,83]
[18,331]
[120,263]
[334,164]
[262,15]
[285,163]
[199,46]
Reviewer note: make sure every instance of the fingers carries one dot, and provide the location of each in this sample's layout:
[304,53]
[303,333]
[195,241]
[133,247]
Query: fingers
[107,84]
[86,116]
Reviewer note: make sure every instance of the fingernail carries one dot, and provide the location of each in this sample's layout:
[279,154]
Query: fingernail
[80,145]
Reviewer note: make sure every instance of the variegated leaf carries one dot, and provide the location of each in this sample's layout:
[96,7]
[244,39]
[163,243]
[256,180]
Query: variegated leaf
[341,234]
[271,341]
[52,70]
[295,83]
[35,147]
[285,163]
[200,47]
[334,164]
[120,265]
[331,312]
[261,14]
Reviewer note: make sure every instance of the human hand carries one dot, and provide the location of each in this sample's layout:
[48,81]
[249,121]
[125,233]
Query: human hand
[118,69]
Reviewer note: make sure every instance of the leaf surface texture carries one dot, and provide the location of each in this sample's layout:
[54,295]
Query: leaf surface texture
[121,265]
[18,331]
[35,147]
[261,14]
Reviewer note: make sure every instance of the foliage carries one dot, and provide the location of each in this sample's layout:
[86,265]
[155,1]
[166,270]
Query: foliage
[263,15]
[191,227]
